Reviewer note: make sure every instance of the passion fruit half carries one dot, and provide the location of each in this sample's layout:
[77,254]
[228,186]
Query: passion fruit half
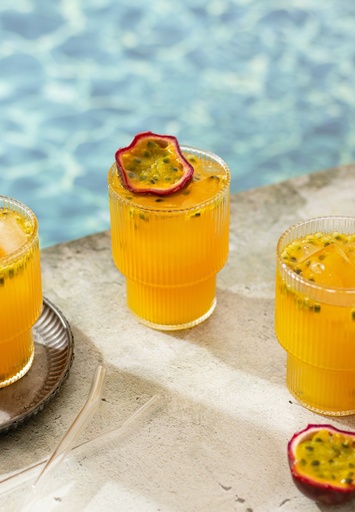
[153,164]
[322,463]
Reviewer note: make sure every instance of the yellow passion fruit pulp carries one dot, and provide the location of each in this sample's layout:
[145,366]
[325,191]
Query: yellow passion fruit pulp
[322,463]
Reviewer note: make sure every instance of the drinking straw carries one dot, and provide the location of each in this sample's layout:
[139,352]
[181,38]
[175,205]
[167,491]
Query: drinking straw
[82,419]
[25,475]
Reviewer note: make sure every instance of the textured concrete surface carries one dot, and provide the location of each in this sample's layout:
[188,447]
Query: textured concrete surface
[217,440]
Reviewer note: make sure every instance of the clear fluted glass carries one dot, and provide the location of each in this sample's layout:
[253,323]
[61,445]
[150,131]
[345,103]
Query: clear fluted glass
[170,253]
[315,324]
[20,288]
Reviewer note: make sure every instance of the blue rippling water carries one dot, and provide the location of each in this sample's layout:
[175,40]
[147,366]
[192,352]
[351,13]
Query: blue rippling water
[267,85]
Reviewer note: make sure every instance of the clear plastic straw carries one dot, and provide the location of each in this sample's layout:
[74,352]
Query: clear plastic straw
[82,419]
[25,475]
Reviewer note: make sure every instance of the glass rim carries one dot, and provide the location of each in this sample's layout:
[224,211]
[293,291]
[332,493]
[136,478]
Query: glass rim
[178,211]
[293,276]
[18,253]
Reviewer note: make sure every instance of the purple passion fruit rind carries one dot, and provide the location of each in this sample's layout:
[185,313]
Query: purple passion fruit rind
[327,472]
[153,164]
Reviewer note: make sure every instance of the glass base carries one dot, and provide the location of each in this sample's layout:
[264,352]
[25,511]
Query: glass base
[326,392]
[17,358]
[172,308]
[178,327]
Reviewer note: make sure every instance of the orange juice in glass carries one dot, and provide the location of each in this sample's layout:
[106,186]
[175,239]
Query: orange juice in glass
[315,312]
[20,288]
[170,248]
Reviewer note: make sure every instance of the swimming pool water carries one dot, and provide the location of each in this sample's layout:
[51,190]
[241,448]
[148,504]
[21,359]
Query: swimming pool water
[269,86]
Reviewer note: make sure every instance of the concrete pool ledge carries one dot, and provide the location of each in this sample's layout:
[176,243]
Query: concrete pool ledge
[217,440]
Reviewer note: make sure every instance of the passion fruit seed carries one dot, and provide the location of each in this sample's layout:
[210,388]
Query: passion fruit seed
[153,164]
[322,462]
[302,302]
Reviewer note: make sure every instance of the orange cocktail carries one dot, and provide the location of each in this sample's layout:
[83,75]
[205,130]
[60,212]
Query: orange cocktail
[170,248]
[20,288]
[315,312]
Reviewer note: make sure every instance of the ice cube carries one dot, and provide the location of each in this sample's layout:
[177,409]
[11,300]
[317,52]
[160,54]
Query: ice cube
[307,250]
[12,237]
[335,268]
[350,252]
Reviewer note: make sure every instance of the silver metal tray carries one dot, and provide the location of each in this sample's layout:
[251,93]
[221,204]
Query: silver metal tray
[54,354]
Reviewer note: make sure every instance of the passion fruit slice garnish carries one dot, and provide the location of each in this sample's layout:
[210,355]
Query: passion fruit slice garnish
[322,463]
[153,164]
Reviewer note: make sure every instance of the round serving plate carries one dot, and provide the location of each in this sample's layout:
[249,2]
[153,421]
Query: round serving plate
[54,354]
